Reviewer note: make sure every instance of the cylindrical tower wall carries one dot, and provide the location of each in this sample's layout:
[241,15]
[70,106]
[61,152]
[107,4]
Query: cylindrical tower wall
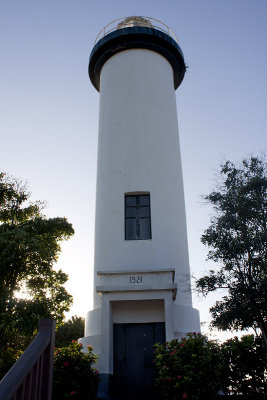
[138,151]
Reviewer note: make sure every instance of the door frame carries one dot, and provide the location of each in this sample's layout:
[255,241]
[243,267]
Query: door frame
[106,357]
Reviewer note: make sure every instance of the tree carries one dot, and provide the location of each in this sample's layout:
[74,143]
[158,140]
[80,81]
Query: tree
[30,288]
[237,239]
[244,366]
[70,330]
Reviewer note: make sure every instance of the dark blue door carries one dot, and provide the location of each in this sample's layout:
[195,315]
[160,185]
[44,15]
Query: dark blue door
[133,359]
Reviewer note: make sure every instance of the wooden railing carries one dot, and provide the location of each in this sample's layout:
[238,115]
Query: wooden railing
[31,376]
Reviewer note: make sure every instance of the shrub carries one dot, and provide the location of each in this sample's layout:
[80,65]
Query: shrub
[74,374]
[189,368]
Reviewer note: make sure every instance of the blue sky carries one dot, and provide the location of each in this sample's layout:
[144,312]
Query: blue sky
[49,109]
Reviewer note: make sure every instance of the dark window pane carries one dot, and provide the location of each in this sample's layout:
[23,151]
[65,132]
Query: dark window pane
[144,200]
[131,212]
[137,217]
[130,200]
[130,227]
[144,212]
[144,229]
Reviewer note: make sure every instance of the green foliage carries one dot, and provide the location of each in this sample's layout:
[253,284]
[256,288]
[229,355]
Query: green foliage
[244,363]
[74,374]
[188,368]
[237,239]
[29,246]
[7,359]
[196,368]
[70,330]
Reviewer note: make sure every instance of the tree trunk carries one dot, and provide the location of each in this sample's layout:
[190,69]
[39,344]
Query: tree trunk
[263,329]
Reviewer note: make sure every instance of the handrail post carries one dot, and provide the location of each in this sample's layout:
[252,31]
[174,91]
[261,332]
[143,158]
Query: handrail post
[48,325]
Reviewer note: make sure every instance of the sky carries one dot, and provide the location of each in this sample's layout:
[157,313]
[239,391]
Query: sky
[49,109]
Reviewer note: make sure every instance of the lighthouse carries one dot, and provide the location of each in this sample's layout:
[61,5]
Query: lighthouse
[141,268]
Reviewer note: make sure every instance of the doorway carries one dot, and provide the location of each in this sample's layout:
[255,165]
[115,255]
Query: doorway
[133,350]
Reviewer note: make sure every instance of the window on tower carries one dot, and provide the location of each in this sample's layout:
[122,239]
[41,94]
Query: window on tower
[137,217]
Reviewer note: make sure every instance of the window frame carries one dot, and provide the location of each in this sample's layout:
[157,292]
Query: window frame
[137,207]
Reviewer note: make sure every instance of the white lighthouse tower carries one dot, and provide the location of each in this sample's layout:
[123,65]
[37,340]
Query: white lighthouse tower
[141,267]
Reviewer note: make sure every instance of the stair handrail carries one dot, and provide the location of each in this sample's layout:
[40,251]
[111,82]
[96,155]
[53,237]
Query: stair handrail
[30,378]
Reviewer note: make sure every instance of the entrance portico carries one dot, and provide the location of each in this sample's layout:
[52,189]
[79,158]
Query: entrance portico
[145,296]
